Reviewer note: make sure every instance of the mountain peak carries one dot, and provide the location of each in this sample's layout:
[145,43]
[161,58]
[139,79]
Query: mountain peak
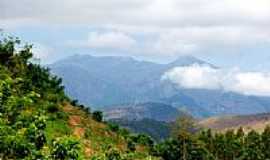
[187,60]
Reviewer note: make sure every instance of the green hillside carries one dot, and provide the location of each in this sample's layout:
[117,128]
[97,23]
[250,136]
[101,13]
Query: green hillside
[38,121]
[156,129]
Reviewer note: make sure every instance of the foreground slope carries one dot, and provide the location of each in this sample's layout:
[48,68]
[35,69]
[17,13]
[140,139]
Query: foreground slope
[37,120]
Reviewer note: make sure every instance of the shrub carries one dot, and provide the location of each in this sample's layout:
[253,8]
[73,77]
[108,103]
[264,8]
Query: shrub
[87,110]
[131,146]
[52,108]
[145,140]
[97,116]
[113,154]
[87,133]
[62,115]
[65,148]
[113,127]
[74,102]
[124,132]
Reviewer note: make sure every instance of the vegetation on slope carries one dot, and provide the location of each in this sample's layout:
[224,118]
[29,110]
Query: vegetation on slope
[156,129]
[37,120]
[207,145]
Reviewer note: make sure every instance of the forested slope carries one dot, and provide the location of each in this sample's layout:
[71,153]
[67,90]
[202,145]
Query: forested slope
[38,121]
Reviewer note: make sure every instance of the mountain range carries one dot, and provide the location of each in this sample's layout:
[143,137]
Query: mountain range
[136,112]
[109,82]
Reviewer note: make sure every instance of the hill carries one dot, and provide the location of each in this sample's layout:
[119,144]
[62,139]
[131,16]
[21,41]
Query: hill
[256,122]
[136,112]
[111,81]
[156,129]
[38,121]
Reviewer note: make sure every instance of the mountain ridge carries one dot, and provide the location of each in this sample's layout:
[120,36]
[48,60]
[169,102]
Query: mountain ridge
[124,80]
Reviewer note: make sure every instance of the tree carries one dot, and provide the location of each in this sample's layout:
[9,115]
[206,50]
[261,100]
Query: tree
[266,142]
[182,130]
[253,148]
[168,150]
[232,145]
[25,88]
[7,49]
[206,137]
[185,124]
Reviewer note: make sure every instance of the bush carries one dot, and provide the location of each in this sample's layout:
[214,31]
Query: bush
[87,110]
[65,148]
[113,127]
[113,154]
[97,116]
[131,146]
[145,140]
[62,115]
[52,108]
[87,133]
[74,102]
[124,132]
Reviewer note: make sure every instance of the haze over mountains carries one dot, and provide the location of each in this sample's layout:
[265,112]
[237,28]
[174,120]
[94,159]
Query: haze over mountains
[106,82]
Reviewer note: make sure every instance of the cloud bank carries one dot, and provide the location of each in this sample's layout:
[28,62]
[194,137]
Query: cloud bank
[166,28]
[106,40]
[233,80]
[149,29]
[169,13]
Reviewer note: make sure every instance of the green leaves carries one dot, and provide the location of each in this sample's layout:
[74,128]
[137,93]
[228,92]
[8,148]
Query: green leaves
[66,148]
[25,89]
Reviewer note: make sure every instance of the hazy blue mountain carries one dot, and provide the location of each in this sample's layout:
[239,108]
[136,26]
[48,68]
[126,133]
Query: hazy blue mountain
[187,60]
[136,112]
[109,81]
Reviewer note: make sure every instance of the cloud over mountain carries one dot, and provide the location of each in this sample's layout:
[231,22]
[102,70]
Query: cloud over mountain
[233,80]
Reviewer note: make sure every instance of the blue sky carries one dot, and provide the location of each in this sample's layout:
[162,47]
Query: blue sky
[227,33]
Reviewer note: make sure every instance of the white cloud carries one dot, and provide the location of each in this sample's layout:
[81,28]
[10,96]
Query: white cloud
[110,40]
[204,77]
[115,40]
[192,39]
[194,76]
[170,44]
[252,83]
[178,26]
[175,41]
[169,13]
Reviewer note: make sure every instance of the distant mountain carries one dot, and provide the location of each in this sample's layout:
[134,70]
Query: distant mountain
[155,111]
[255,121]
[110,81]
[188,60]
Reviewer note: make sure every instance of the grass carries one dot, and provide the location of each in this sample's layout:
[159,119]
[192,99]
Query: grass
[57,128]
[96,138]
